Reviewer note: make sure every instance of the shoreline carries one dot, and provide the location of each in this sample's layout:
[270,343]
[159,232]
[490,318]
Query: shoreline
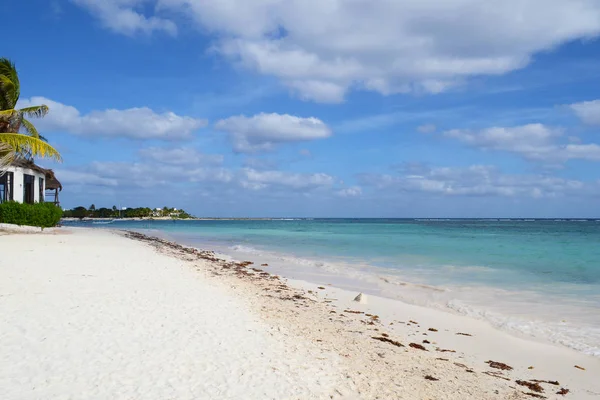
[459,339]
[357,346]
[541,322]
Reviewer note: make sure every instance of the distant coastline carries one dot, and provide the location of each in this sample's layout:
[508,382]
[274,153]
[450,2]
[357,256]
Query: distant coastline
[590,219]
[179,219]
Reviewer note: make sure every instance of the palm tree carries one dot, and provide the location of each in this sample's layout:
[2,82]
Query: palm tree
[29,143]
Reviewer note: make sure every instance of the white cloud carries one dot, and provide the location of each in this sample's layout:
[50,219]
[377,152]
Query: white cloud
[179,156]
[77,178]
[253,179]
[133,123]
[427,128]
[476,180]
[147,174]
[321,49]
[534,141]
[121,16]
[263,131]
[588,111]
[353,191]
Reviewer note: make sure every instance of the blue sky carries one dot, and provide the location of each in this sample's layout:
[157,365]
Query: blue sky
[445,108]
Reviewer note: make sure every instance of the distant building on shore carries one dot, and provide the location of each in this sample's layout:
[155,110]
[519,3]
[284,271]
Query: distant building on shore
[26,182]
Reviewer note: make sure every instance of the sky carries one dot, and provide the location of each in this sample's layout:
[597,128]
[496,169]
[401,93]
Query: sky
[318,108]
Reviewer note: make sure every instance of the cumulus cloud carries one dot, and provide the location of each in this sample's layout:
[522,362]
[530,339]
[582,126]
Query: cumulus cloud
[353,191]
[476,180]
[587,111]
[133,123]
[321,49]
[533,141]
[254,179]
[179,156]
[148,174]
[121,16]
[77,178]
[263,132]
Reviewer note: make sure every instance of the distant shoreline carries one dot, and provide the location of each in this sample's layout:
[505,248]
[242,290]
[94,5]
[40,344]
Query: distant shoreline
[180,219]
[422,219]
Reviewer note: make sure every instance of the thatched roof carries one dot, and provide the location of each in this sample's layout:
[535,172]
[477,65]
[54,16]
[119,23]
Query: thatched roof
[51,181]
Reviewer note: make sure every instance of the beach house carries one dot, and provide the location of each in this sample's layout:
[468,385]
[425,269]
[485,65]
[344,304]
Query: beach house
[25,182]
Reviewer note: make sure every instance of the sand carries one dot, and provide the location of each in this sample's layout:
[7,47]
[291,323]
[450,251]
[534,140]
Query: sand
[94,315]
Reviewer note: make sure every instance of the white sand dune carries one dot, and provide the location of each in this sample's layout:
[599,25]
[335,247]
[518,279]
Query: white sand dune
[96,316]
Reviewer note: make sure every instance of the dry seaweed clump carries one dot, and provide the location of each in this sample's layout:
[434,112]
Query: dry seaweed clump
[533,386]
[418,346]
[499,365]
[387,340]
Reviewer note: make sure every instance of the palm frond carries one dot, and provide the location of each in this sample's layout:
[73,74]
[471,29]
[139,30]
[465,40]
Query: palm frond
[9,72]
[31,130]
[6,93]
[35,111]
[7,155]
[27,144]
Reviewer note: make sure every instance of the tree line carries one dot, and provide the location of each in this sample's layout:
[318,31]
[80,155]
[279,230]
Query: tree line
[114,212]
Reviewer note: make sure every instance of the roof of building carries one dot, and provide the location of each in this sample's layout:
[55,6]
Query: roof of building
[51,181]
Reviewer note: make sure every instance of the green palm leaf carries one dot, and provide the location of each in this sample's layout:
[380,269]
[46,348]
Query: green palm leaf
[7,155]
[27,144]
[7,88]
[9,84]
[31,130]
[35,111]
[12,144]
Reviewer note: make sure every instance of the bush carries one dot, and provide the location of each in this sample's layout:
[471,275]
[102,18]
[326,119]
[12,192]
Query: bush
[44,215]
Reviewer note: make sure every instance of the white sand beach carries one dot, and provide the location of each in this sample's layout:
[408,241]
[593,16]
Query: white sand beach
[91,314]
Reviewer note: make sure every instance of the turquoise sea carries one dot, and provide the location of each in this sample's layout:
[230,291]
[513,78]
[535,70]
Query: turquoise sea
[537,278]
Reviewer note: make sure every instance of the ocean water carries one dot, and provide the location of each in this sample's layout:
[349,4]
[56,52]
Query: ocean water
[536,278]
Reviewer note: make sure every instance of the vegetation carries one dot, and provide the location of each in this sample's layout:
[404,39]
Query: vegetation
[18,136]
[44,215]
[114,212]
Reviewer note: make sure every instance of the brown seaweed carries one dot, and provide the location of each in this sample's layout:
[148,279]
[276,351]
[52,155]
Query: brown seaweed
[387,340]
[417,346]
[499,365]
[533,386]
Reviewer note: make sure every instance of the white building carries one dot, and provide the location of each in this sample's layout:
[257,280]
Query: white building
[26,182]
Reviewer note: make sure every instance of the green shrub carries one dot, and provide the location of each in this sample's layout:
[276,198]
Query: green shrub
[44,215]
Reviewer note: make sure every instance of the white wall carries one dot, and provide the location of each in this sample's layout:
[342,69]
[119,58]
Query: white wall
[18,183]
